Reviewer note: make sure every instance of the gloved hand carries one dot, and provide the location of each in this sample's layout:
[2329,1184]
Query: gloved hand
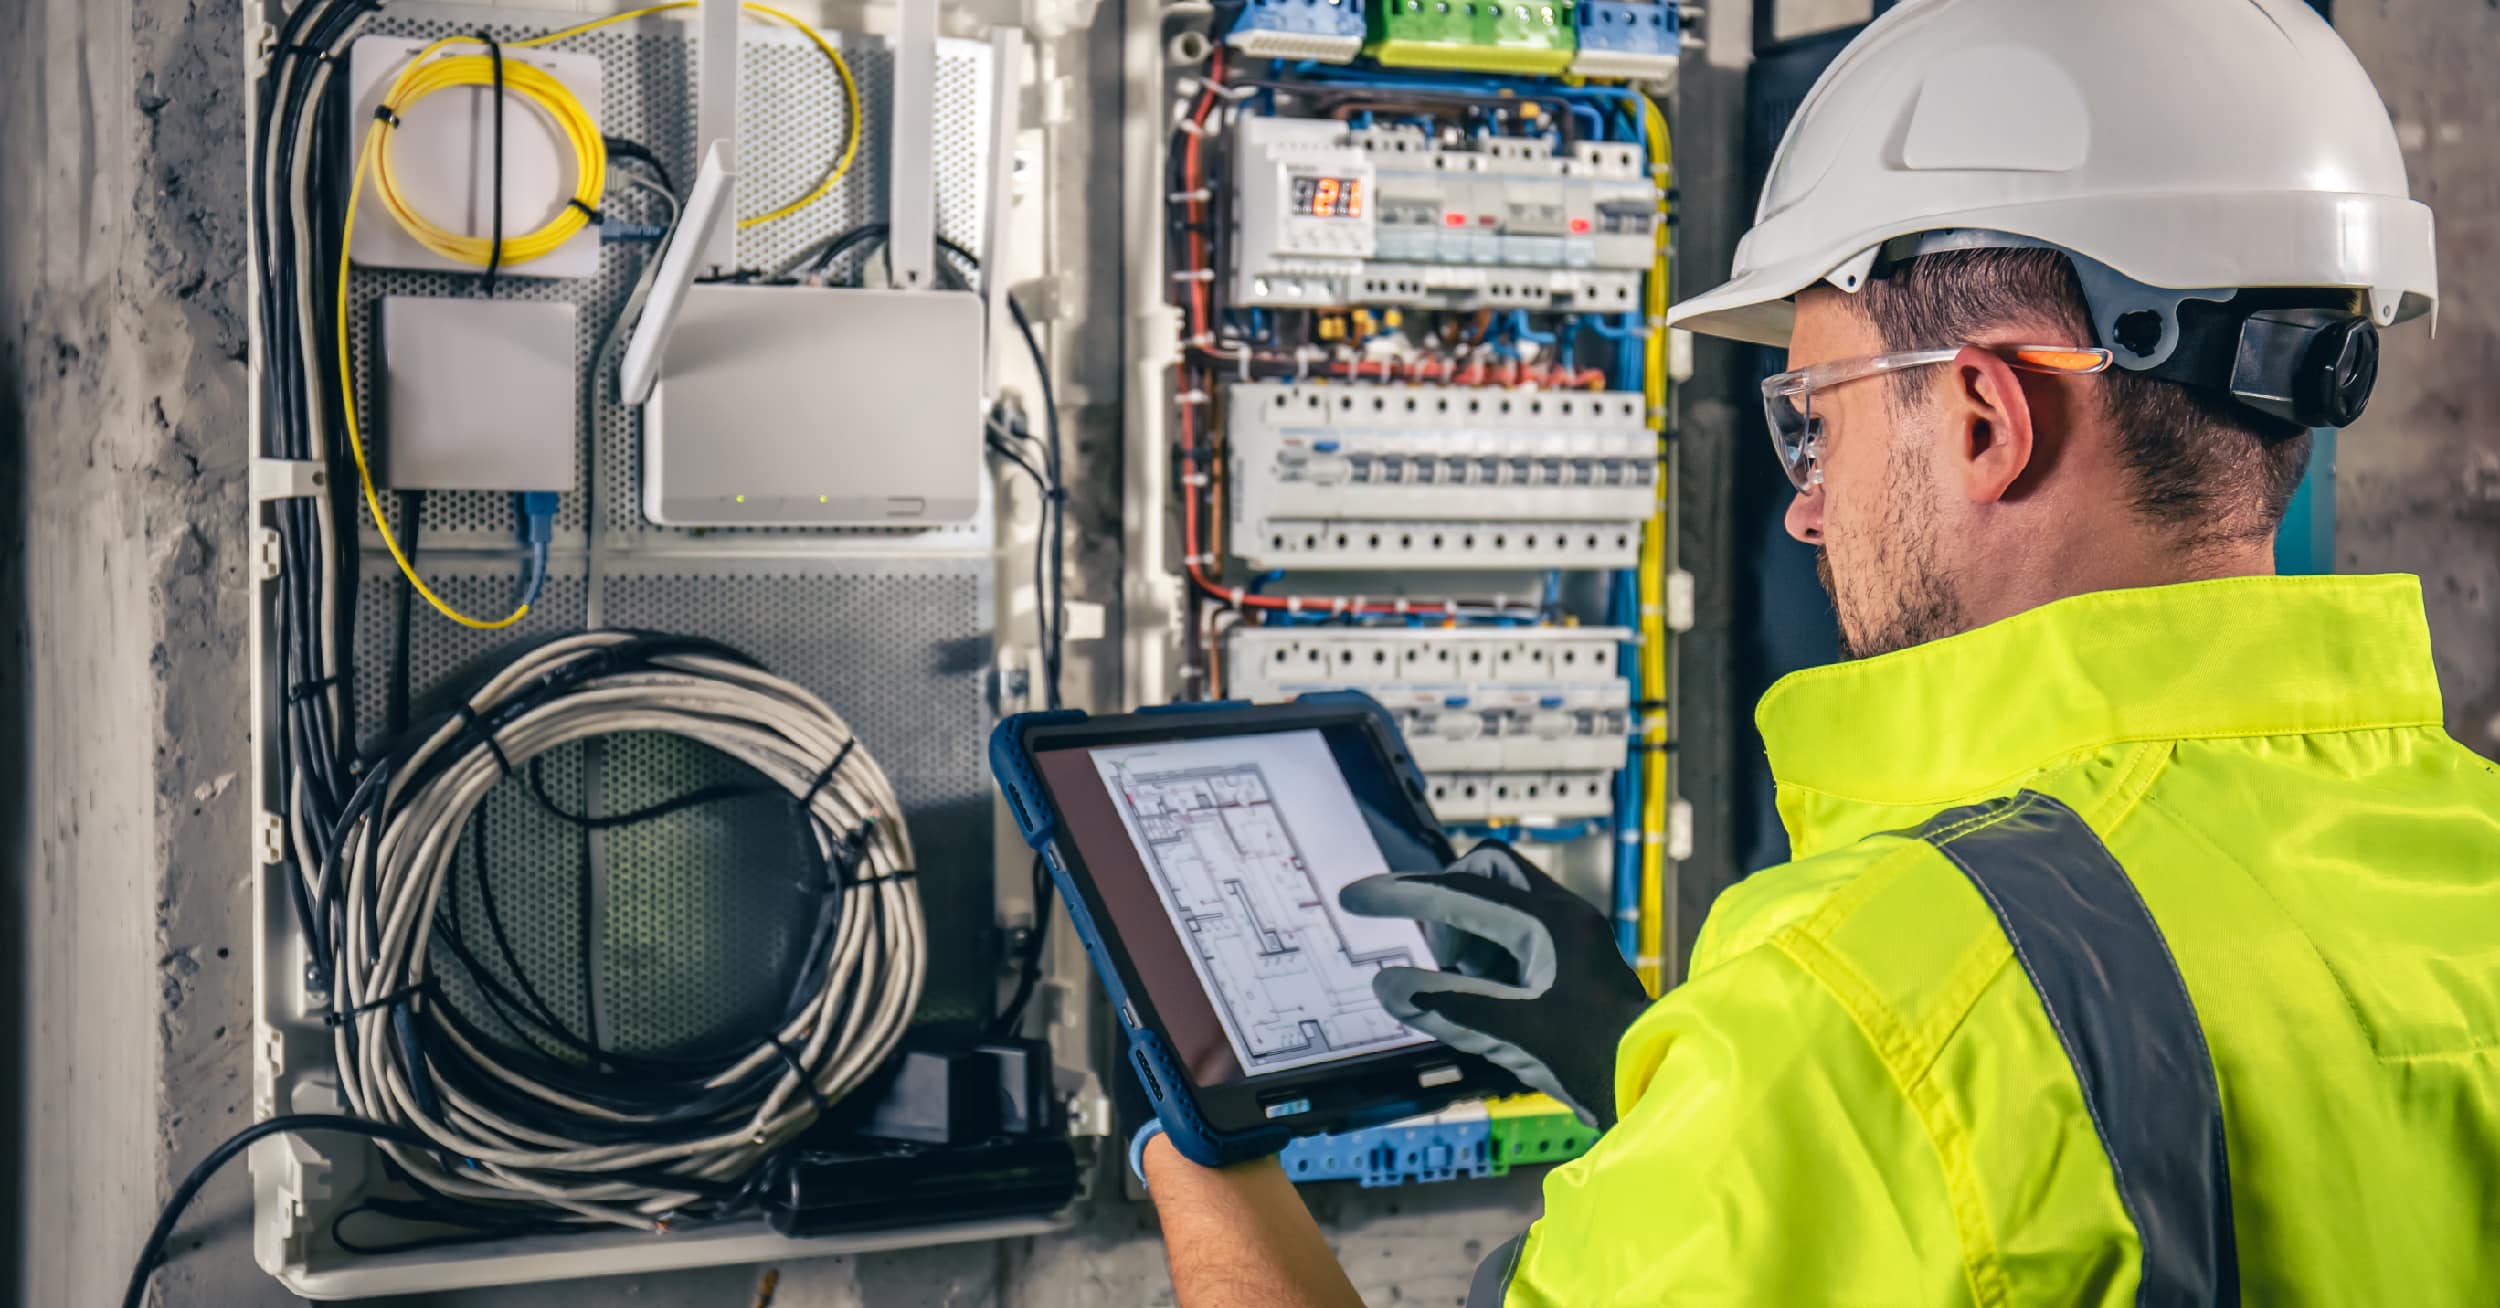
[1537,984]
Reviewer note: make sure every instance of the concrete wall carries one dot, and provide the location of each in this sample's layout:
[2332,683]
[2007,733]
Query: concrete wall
[122,448]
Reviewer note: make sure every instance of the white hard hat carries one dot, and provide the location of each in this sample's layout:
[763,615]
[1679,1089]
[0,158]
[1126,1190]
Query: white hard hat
[2198,146]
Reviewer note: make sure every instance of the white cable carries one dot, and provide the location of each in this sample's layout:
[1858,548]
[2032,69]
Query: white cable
[605,683]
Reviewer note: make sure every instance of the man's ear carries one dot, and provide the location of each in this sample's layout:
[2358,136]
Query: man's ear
[1990,423]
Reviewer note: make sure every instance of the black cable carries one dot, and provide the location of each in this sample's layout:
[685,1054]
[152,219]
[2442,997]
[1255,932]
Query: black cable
[1054,523]
[412,526]
[626,151]
[152,1254]
[494,206]
[1010,1018]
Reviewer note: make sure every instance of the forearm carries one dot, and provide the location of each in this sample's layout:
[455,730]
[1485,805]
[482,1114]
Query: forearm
[1240,1237]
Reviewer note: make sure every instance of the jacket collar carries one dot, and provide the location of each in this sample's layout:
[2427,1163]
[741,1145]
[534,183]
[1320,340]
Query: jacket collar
[1968,716]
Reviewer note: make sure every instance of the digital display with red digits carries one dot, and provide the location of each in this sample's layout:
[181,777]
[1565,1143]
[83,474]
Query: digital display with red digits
[1327,197]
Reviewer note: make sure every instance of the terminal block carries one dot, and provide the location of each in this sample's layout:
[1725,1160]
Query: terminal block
[1329,31]
[1331,215]
[1486,36]
[1509,724]
[1437,477]
[1469,1141]
[1636,39]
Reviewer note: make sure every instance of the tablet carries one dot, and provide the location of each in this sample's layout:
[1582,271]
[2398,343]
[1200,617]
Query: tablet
[1200,850]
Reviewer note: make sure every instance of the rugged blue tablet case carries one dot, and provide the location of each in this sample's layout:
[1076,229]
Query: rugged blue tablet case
[1167,1085]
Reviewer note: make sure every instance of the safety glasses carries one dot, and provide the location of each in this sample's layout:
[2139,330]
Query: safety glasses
[1797,434]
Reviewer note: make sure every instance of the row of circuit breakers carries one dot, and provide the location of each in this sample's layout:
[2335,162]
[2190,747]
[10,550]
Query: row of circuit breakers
[1338,215]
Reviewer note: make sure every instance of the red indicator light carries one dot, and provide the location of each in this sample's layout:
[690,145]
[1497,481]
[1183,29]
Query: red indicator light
[1453,220]
[1579,226]
[1488,220]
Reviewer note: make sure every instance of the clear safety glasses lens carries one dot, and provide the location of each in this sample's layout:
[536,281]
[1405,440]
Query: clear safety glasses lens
[1796,435]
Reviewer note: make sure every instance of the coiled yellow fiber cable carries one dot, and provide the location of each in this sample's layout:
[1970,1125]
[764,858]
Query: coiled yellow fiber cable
[425,75]
[841,69]
[536,86]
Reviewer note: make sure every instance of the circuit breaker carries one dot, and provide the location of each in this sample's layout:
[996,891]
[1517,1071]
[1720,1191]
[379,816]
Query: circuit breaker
[1438,478]
[1330,214]
[1508,723]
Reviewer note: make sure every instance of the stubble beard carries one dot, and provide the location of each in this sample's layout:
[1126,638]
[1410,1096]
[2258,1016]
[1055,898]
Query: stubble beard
[1898,595]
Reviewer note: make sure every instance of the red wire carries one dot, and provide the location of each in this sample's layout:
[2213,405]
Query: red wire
[1192,183]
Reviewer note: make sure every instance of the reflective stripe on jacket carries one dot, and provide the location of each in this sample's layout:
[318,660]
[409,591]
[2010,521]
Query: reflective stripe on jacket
[1943,1058]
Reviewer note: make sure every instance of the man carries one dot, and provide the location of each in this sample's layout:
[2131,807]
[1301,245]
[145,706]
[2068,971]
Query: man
[2143,942]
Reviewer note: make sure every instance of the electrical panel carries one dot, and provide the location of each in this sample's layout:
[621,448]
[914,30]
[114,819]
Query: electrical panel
[1416,430]
[1509,723]
[1329,214]
[1437,477]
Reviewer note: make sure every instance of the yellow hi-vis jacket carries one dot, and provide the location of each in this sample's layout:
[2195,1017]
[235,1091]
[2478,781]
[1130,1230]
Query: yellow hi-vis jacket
[2140,949]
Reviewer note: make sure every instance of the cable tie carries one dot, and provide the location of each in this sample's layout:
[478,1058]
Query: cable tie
[341,1017]
[1653,705]
[1398,606]
[1190,127]
[1293,604]
[1656,321]
[595,216]
[494,245]
[1192,397]
[1339,605]
[1195,479]
[477,726]
[1238,594]
[384,114]
[815,1094]
[1199,196]
[1194,275]
[304,690]
[1645,747]
[839,758]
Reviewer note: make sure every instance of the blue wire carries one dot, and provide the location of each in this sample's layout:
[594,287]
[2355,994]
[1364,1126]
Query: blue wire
[1623,609]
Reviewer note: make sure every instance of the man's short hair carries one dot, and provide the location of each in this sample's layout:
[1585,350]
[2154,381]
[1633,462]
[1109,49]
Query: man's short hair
[2200,462]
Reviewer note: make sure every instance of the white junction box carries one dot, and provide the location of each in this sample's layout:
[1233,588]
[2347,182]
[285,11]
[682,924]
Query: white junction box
[478,394]
[1332,215]
[1507,723]
[1404,477]
[817,407]
[442,156]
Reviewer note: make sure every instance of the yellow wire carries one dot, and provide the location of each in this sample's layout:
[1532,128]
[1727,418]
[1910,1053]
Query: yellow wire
[841,69]
[365,156]
[422,78]
[1657,801]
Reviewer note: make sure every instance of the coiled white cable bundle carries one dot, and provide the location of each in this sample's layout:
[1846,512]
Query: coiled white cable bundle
[638,1142]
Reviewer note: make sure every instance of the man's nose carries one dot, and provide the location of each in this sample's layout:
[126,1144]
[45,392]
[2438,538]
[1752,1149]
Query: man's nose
[1805,518]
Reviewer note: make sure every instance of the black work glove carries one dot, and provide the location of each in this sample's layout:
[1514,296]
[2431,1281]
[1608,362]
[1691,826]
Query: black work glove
[1537,984]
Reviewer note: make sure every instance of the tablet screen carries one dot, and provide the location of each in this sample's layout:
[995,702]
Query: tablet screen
[1219,860]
